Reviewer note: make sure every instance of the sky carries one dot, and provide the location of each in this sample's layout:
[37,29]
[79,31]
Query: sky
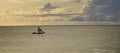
[59,12]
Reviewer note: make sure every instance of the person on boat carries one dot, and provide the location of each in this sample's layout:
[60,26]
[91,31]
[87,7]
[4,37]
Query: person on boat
[40,30]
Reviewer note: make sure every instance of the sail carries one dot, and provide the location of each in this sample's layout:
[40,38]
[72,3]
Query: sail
[39,29]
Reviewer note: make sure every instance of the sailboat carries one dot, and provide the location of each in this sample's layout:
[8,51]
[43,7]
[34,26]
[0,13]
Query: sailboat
[40,31]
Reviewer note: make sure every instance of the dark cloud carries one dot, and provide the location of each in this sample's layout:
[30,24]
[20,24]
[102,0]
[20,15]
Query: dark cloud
[76,1]
[78,19]
[99,10]
[48,7]
[47,15]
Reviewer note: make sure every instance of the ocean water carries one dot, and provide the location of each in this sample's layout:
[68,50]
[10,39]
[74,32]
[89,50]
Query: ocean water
[60,39]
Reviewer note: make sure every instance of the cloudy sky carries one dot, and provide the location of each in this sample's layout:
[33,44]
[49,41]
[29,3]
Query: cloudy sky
[59,12]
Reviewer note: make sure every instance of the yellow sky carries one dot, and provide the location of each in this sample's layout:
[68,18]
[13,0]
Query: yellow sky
[9,9]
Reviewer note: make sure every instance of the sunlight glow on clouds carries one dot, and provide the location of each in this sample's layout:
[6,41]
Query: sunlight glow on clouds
[40,0]
[26,0]
[91,12]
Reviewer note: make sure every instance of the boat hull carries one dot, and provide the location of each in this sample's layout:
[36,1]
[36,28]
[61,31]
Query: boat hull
[38,33]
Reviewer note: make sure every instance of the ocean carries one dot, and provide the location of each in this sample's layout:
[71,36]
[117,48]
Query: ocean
[60,39]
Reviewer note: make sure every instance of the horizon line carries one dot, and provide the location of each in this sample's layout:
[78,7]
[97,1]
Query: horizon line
[67,25]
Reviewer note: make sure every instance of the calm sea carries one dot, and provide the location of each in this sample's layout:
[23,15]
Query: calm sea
[60,39]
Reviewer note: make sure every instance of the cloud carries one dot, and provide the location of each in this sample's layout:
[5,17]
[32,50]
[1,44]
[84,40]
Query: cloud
[23,0]
[64,9]
[81,18]
[60,14]
[56,0]
[104,10]
[83,12]
[16,20]
[40,0]
[85,5]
